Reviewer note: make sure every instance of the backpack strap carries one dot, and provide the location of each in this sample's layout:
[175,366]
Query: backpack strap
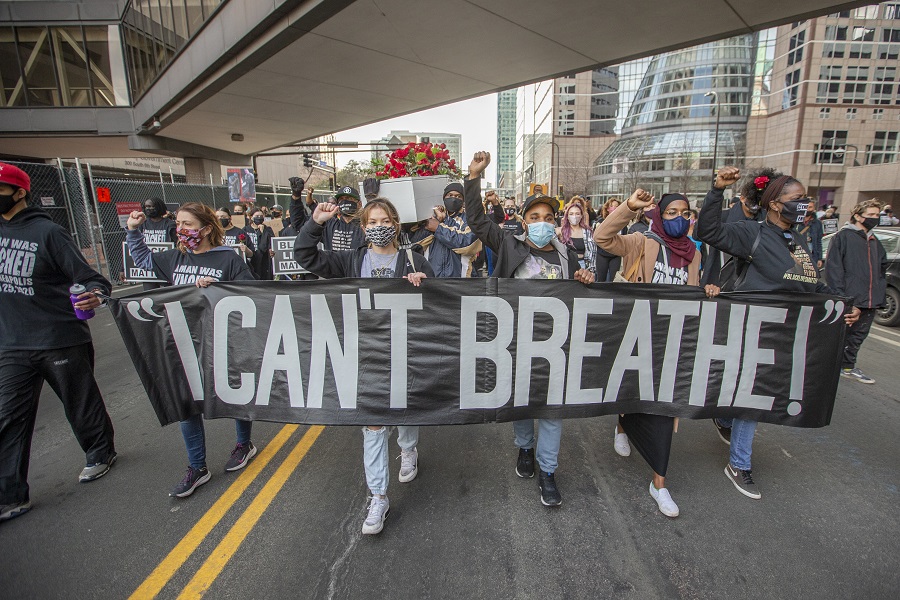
[744,264]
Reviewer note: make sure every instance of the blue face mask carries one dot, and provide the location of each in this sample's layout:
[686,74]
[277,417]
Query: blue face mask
[676,227]
[540,234]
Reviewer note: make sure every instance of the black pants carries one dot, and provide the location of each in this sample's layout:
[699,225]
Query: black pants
[856,335]
[607,267]
[70,372]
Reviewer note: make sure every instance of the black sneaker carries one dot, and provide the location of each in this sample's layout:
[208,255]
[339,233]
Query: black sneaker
[525,463]
[11,511]
[724,432]
[549,493]
[240,456]
[193,478]
[743,481]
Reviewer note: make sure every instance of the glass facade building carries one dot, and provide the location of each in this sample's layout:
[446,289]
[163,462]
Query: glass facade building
[668,136]
[506,137]
[111,64]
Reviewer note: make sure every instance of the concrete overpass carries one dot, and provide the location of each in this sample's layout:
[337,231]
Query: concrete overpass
[281,71]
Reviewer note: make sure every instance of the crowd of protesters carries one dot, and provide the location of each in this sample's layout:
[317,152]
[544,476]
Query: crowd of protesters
[769,239]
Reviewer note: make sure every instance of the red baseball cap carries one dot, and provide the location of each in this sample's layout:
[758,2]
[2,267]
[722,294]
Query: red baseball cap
[14,176]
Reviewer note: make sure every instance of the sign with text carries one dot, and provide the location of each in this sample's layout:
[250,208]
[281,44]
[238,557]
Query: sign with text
[124,210]
[457,351]
[134,274]
[283,262]
[829,226]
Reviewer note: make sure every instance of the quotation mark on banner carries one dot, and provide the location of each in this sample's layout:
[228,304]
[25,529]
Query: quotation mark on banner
[147,304]
[832,307]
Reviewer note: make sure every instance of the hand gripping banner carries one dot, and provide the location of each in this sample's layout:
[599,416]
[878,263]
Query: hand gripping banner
[457,351]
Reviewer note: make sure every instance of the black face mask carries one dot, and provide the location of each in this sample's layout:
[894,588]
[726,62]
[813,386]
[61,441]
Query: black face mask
[7,201]
[794,210]
[453,205]
[348,207]
[752,207]
[225,223]
[510,211]
[258,219]
[871,222]
[152,212]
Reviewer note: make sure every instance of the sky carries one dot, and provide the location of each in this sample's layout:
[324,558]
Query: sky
[475,120]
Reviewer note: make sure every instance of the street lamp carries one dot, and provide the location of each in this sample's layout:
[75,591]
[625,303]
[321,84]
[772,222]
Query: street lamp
[830,141]
[715,97]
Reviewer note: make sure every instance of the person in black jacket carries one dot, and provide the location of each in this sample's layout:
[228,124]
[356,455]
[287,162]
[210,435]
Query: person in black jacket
[261,237]
[200,259]
[856,267]
[381,258]
[42,339]
[536,254]
[778,259]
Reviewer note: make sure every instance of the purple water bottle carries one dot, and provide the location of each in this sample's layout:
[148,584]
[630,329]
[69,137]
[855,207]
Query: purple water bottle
[75,291]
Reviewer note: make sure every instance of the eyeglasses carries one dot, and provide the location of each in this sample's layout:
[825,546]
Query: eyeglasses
[687,214]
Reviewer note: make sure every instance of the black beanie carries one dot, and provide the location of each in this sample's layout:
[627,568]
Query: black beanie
[454,187]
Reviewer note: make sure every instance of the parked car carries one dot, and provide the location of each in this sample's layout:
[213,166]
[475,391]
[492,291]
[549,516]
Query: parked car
[889,315]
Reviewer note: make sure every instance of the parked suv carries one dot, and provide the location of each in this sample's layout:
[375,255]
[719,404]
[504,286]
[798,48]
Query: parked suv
[890,238]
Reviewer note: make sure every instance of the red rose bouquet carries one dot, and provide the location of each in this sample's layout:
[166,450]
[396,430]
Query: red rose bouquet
[417,160]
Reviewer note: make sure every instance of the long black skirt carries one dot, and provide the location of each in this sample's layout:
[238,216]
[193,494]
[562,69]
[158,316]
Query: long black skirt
[652,436]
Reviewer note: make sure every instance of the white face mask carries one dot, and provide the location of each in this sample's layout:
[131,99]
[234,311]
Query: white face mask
[574,219]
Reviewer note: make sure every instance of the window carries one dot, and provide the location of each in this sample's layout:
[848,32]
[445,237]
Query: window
[883,150]
[892,11]
[796,47]
[825,150]
[851,114]
[824,113]
[855,93]
[877,114]
[863,34]
[836,32]
[866,12]
[829,88]
[890,35]
[791,89]
[881,91]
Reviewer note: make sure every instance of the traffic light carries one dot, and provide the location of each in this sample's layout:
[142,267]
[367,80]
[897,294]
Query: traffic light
[307,160]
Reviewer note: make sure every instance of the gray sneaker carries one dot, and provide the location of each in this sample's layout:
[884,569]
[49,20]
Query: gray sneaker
[856,374]
[378,512]
[409,465]
[743,481]
[11,511]
[97,470]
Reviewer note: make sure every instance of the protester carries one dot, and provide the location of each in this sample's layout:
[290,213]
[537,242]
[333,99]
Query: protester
[41,338]
[454,243]
[157,229]
[536,254]
[662,255]
[343,232]
[512,222]
[641,223]
[200,244]
[260,236]
[235,237]
[576,234]
[608,264]
[299,209]
[381,258]
[776,258]
[746,208]
[812,229]
[856,268]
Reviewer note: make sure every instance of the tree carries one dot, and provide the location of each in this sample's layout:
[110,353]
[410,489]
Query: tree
[354,172]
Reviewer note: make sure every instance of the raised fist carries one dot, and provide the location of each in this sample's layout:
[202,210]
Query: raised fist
[325,211]
[640,199]
[297,184]
[136,219]
[727,176]
[479,163]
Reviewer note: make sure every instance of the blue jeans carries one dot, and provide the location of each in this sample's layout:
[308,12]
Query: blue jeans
[375,454]
[195,438]
[742,432]
[549,436]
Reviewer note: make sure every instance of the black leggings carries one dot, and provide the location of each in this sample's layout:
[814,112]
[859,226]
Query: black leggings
[607,266]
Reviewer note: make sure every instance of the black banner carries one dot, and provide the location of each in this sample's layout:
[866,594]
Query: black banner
[383,352]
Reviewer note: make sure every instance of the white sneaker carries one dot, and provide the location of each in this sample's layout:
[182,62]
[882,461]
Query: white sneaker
[409,465]
[623,448]
[378,512]
[666,505]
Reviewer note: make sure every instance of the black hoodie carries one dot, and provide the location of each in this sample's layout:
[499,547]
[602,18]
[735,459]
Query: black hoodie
[39,261]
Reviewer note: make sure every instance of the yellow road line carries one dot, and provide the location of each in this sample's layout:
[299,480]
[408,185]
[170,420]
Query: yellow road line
[232,541]
[161,575]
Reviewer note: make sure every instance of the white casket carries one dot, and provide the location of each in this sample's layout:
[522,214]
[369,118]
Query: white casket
[414,197]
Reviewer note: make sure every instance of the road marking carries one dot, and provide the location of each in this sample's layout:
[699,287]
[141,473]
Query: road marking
[213,566]
[884,339]
[161,575]
[887,330]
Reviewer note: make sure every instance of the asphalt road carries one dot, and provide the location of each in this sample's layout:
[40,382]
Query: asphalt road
[828,525]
